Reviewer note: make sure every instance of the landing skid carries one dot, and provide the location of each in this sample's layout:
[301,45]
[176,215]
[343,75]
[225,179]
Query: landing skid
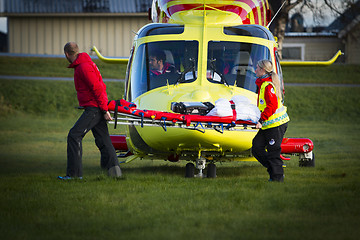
[200,165]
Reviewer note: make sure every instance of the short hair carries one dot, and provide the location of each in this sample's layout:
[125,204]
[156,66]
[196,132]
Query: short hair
[71,48]
[159,54]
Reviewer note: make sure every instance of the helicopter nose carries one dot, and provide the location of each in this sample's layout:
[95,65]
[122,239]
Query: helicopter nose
[201,95]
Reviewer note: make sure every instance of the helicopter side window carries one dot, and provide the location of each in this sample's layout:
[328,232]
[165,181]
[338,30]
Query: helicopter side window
[234,63]
[158,64]
[138,74]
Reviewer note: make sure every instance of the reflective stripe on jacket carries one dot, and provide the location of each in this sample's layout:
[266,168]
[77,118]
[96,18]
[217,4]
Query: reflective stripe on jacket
[279,117]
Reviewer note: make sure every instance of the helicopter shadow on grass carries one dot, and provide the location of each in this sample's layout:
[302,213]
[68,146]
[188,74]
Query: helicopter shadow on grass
[179,170]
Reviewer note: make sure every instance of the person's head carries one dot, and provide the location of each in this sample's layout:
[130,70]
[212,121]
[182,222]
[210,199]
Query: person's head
[157,59]
[263,67]
[71,50]
[266,67]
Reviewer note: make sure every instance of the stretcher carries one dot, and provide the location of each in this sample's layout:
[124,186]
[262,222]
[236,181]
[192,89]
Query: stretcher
[126,113]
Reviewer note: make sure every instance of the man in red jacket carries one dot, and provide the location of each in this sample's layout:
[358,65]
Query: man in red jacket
[91,94]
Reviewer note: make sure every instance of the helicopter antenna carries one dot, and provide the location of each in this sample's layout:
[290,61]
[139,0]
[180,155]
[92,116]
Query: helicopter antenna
[276,14]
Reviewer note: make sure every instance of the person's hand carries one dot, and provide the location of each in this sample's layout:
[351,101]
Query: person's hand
[107,116]
[258,125]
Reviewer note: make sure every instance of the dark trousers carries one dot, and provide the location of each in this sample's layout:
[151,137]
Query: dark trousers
[267,149]
[91,119]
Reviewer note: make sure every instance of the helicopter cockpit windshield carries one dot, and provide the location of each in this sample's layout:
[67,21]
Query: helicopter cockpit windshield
[170,62]
[234,63]
[161,63]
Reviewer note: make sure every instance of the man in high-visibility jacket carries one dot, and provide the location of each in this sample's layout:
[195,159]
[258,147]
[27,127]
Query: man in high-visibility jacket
[273,121]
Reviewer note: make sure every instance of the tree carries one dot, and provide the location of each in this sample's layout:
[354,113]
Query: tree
[279,23]
[318,9]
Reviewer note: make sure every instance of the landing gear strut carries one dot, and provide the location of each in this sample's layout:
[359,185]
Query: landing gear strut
[307,159]
[200,165]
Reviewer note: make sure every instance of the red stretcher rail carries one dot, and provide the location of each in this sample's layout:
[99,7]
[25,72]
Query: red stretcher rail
[125,107]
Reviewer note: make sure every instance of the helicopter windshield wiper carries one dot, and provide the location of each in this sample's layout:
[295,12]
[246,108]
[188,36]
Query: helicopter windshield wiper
[182,75]
[213,67]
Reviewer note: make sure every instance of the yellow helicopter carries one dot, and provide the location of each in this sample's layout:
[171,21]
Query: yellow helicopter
[193,54]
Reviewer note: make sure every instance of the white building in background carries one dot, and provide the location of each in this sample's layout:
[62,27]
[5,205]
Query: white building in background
[342,34]
[44,26]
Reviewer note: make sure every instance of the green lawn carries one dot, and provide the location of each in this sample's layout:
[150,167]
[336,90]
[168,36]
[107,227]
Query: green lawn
[154,200]
[56,67]
[53,67]
[336,74]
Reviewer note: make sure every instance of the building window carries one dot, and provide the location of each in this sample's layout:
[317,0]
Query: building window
[293,52]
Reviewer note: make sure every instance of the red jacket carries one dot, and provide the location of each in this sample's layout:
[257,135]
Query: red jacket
[90,88]
[270,98]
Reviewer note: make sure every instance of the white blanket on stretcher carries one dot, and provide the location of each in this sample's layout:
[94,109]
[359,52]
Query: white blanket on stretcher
[243,107]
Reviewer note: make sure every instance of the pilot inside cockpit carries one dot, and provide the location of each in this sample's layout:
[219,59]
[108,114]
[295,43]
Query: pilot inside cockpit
[158,64]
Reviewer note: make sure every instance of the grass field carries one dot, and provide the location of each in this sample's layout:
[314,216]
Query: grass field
[154,200]
[52,67]
[56,67]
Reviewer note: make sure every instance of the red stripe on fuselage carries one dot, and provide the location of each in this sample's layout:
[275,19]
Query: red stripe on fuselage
[259,19]
[254,5]
[262,13]
[228,8]
[182,7]
[256,15]
[248,2]
[251,3]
